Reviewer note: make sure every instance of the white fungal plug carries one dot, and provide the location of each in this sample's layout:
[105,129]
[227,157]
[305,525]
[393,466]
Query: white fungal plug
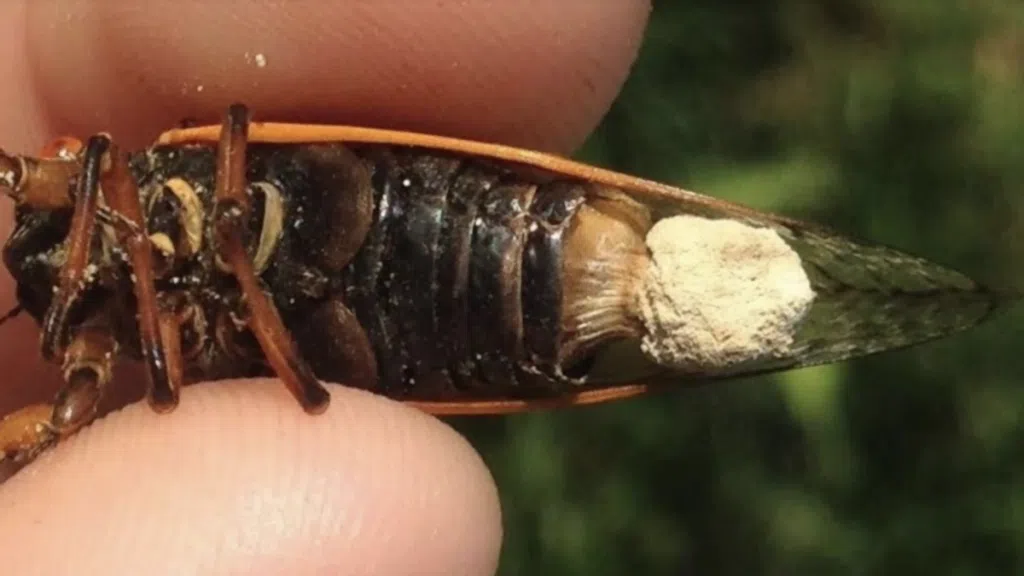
[700,296]
[719,294]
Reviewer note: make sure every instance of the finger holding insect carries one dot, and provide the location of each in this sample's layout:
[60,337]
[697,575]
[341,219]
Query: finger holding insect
[534,73]
[274,500]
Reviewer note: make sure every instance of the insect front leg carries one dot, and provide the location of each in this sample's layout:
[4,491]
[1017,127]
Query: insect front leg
[87,367]
[73,275]
[231,211]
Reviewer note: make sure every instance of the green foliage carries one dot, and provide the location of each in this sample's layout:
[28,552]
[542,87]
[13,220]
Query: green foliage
[902,122]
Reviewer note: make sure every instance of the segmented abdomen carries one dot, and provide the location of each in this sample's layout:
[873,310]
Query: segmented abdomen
[458,284]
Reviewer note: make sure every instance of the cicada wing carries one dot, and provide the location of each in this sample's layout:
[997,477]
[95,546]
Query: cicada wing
[871,298]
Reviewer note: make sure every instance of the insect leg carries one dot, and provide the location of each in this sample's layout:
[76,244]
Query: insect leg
[231,211]
[169,325]
[122,195]
[87,366]
[73,273]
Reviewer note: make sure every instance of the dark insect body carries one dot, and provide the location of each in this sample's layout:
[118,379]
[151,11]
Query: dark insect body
[443,244]
[463,277]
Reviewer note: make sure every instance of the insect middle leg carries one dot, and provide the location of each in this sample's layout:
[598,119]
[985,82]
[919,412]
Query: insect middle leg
[230,213]
[122,195]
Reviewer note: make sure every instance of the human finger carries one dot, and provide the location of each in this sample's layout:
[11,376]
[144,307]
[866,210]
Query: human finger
[238,480]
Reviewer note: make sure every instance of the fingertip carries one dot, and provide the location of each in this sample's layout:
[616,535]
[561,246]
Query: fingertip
[535,74]
[238,478]
[21,119]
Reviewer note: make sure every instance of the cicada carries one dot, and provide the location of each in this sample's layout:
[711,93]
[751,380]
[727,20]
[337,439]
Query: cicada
[459,276]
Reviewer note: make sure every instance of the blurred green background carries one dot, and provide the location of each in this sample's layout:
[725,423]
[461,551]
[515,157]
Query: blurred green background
[898,121]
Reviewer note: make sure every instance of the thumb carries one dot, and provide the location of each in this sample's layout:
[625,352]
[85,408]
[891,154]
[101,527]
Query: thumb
[238,480]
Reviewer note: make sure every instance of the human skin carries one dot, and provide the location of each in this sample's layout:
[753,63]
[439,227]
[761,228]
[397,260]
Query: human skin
[238,479]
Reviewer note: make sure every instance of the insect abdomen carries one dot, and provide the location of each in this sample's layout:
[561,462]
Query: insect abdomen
[458,283]
[418,274]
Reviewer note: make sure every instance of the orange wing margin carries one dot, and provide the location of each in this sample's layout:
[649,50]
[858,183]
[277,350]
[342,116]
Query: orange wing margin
[482,407]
